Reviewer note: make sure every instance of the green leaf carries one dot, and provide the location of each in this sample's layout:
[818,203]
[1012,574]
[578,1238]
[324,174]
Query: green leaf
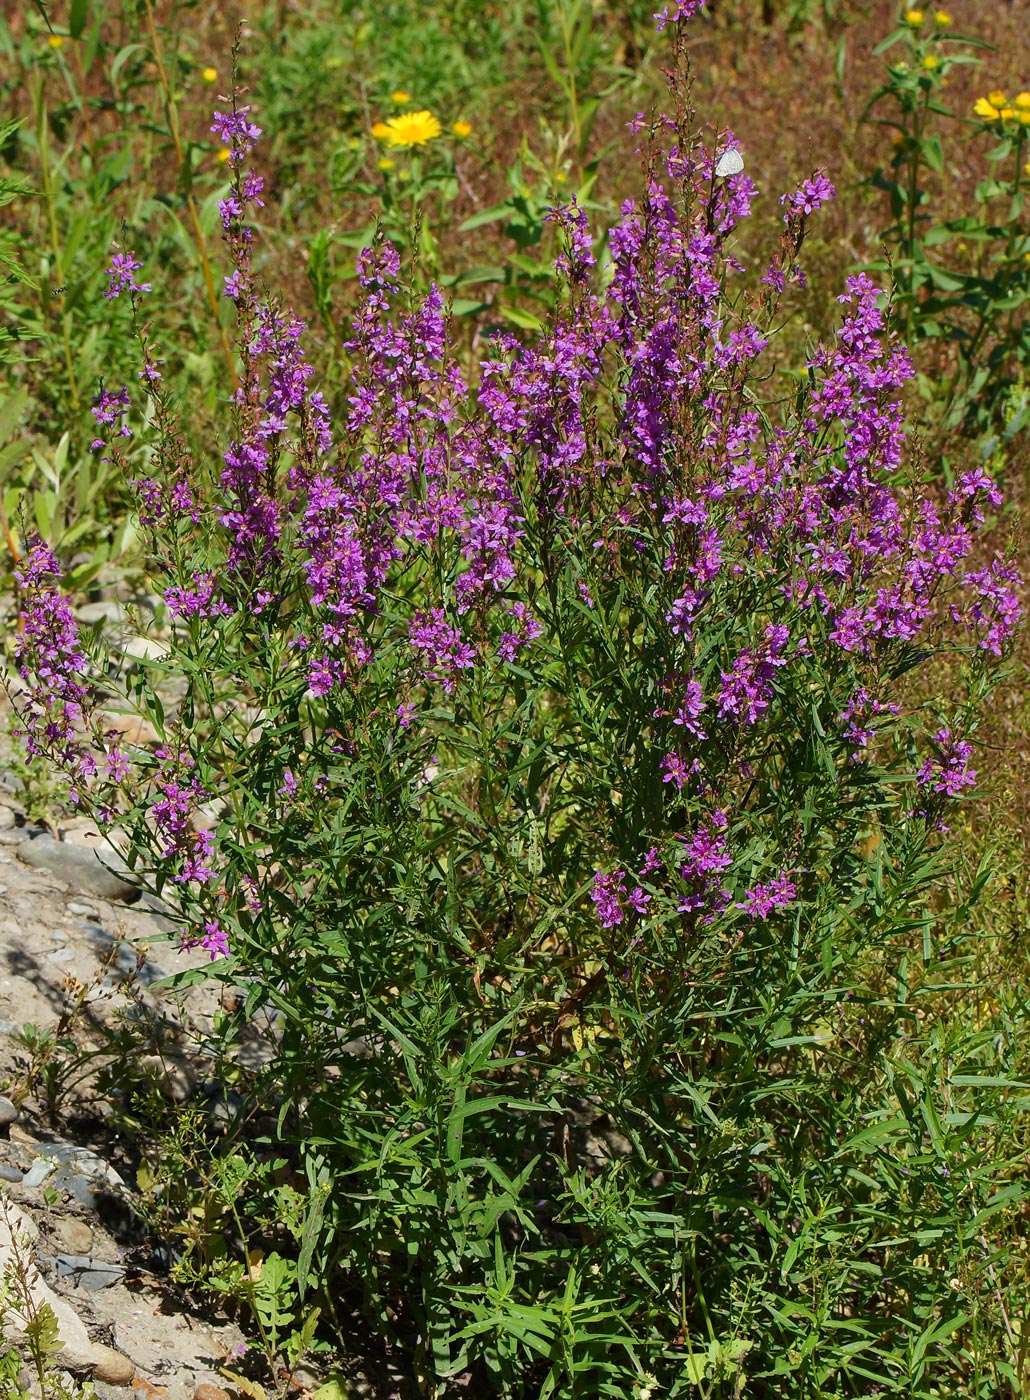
[78,17]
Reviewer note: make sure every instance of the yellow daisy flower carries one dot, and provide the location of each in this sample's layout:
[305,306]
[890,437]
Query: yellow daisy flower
[983,107]
[1024,117]
[380,131]
[224,154]
[412,129]
[55,40]
[931,61]
[942,19]
[997,98]
[385,164]
[462,129]
[1007,113]
[210,75]
[1022,101]
[400,97]
[914,18]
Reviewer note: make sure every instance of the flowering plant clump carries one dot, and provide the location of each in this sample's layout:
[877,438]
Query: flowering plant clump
[963,282]
[549,703]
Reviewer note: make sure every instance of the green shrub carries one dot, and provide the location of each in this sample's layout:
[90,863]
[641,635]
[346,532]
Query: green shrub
[578,823]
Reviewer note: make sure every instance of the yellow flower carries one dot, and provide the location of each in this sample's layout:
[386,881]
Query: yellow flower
[210,75]
[997,98]
[1024,118]
[914,18]
[412,129]
[462,129]
[1007,113]
[224,154]
[931,61]
[1023,101]
[385,164]
[55,41]
[400,97]
[1026,168]
[560,177]
[942,19]
[986,109]
[381,131]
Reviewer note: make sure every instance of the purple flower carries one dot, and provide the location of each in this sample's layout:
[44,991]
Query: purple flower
[809,196]
[747,687]
[705,856]
[527,629]
[607,893]
[760,901]
[443,652]
[947,771]
[48,653]
[121,277]
[672,14]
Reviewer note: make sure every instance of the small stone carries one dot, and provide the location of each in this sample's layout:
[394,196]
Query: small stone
[80,865]
[61,956]
[175,1076]
[8,1112]
[112,1368]
[208,1391]
[7,819]
[83,911]
[76,1235]
[84,1272]
[11,1174]
[38,1172]
[144,649]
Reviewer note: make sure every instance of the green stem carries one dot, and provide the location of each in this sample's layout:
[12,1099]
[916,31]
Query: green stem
[172,113]
[570,90]
[43,140]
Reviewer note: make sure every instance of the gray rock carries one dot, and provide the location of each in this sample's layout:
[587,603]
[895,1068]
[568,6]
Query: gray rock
[61,956]
[11,1174]
[7,819]
[85,1272]
[83,911]
[38,1172]
[77,1353]
[125,958]
[105,611]
[223,1106]
[8,1112]
[175,1076]
[144,649]
[82,866]
[83,1174]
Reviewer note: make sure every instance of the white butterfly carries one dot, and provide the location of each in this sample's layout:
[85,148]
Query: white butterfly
[731,162]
